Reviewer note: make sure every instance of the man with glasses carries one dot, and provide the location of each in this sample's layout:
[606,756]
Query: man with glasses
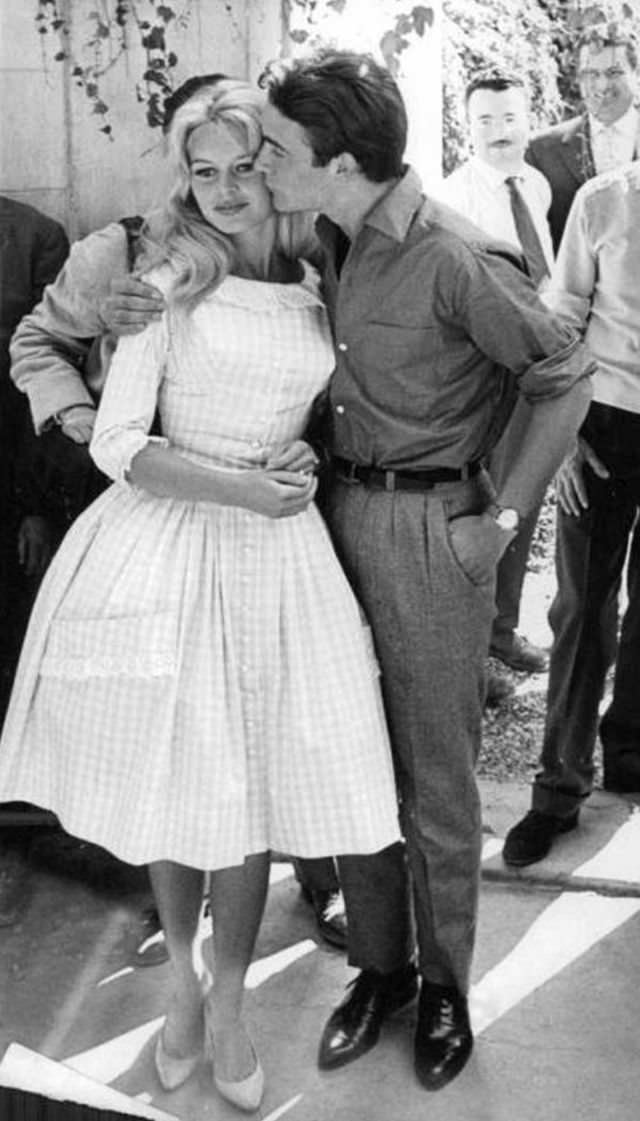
[606,135]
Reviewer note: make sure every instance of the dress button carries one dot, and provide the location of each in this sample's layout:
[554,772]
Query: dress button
[340,409]
[256,444]
[343,347]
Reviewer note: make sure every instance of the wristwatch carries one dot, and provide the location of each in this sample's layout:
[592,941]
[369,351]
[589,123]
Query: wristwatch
[506,517]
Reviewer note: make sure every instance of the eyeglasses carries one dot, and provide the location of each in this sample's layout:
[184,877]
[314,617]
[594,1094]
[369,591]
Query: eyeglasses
[612,74]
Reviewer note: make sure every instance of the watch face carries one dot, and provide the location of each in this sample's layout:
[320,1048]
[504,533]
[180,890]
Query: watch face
[508,519]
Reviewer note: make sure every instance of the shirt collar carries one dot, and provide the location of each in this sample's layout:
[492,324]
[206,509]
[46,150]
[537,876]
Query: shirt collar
[493,178]
[626,125]
[393,213]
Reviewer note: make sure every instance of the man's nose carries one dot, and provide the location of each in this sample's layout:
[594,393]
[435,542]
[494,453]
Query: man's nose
[262,159]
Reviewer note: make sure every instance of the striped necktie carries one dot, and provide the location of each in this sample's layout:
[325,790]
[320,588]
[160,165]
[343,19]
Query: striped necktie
[527,233]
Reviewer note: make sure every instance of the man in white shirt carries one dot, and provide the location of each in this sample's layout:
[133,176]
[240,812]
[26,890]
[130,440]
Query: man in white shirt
[508,199]
[595,287]
[606,135]
[498,116]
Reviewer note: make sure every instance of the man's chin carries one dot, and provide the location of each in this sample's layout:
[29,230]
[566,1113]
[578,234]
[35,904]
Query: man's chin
[285,205]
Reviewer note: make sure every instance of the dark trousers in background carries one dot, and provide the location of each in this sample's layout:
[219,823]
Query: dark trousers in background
[590,556]
[316,873]
[431,628]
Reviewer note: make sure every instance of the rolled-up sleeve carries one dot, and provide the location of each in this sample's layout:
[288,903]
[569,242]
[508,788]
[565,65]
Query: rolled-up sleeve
[129,400]
[507,320]
[50,346]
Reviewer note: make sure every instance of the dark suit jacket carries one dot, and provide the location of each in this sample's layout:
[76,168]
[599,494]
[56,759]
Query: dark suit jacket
[563,154]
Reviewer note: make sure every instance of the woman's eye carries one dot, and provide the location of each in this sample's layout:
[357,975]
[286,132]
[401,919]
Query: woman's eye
[245,168]
[204,173]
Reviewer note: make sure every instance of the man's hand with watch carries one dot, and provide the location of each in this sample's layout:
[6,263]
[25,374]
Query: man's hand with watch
[76,422]
[479,540]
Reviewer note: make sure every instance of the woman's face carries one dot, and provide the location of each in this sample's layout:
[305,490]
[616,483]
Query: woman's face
[231,194]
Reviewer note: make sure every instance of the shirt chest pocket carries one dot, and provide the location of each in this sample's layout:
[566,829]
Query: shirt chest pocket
[395,346]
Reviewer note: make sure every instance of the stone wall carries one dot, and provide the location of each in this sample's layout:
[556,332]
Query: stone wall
[52,153]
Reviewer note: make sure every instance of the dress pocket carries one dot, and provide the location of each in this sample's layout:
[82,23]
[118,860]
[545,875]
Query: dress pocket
[124,645]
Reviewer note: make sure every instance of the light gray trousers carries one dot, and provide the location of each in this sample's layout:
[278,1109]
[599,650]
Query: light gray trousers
[431,626]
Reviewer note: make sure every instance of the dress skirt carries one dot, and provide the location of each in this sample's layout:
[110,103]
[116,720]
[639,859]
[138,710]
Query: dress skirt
[196,683]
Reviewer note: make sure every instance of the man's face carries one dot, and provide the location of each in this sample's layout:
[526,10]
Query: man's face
[499,126]
[607,82]
[286,158]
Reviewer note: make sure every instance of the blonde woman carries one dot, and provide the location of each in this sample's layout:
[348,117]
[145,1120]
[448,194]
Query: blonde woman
[195,687]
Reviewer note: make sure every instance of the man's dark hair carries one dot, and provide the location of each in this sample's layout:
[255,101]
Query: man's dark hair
[178,98]
[493,79]
[346,102]
[613,34]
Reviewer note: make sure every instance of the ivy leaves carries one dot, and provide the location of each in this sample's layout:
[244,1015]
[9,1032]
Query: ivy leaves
[107,41]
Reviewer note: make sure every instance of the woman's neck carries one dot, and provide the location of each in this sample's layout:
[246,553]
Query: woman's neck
[258,258]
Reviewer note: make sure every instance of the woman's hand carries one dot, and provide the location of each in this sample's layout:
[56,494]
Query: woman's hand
[570,484]
[276,494]
[298,456]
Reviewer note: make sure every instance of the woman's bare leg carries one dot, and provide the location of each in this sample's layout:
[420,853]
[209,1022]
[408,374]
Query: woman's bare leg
[178,894]
[237,903]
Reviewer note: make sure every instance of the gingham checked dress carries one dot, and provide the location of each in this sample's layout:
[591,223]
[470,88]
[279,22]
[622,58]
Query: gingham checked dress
[196,682]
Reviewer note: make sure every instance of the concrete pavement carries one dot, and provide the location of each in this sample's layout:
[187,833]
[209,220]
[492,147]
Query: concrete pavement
[554,1003]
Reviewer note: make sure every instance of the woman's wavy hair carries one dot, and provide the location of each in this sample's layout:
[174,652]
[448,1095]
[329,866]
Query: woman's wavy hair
[199,254]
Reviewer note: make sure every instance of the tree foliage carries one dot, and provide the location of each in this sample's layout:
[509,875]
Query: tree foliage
[534,38]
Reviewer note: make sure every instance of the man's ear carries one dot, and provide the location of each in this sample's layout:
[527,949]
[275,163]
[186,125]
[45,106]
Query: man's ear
[345,164]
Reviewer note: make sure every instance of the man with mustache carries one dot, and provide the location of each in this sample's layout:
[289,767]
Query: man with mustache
[509,200]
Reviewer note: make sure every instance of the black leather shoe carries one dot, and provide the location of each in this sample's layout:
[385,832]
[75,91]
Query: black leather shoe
[151,948]
[443,1039]
[354,1027]
[498,690]
[331,918]
[531,839]
[521,655]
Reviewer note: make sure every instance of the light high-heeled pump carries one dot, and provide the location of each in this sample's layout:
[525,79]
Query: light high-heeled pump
[245,1093]
[173,1070]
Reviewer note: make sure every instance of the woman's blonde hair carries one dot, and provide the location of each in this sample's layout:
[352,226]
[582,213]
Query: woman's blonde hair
[200,255]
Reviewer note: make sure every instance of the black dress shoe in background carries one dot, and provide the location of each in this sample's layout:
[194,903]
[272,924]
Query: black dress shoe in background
[443,1040]
[531,839]
[519,654]
[151,948]
[331,918]
[354,1027]
[498,689]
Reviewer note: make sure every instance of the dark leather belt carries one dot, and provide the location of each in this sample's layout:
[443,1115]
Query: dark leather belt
[403,480]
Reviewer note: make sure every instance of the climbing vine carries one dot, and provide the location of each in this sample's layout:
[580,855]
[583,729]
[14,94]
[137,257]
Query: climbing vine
[111,27]
[310,23]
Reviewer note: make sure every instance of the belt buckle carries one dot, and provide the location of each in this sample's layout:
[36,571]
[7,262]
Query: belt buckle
[349,476]
[390,480]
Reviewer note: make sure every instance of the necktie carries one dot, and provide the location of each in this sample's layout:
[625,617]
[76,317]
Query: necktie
[529,240]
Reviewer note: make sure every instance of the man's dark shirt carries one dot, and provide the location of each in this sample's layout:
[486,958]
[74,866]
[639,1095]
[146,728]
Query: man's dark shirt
[426,314]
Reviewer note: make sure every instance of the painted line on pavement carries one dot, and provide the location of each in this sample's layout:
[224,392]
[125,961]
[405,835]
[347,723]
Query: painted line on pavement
[565,930]
[109,1060]
[620,857]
